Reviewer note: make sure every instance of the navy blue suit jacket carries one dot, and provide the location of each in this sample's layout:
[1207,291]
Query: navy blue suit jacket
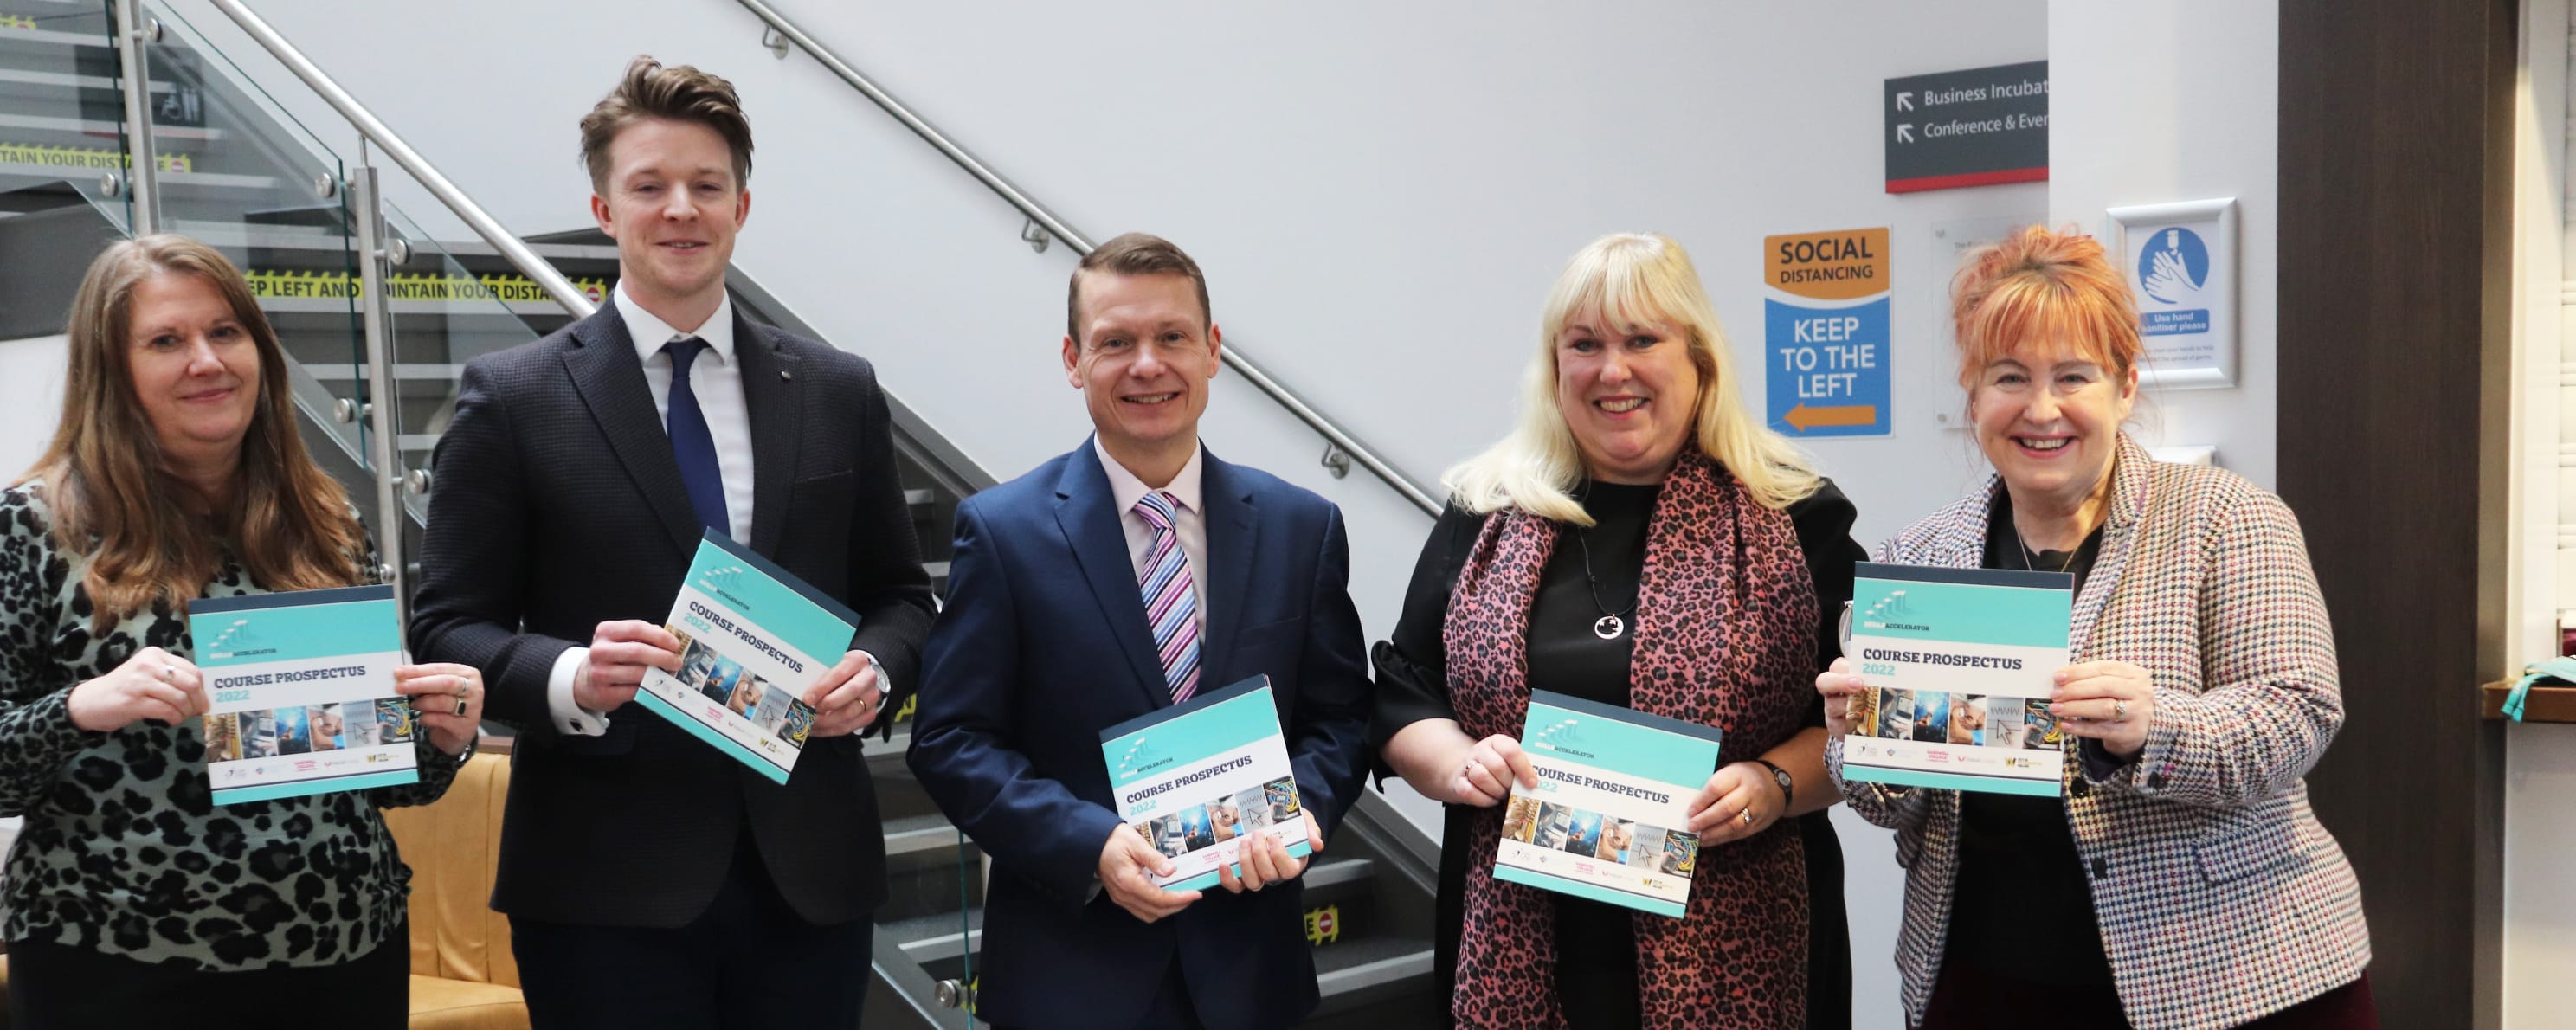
[1042,645]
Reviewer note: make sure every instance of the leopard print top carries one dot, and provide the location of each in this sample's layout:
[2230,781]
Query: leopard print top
[124,851]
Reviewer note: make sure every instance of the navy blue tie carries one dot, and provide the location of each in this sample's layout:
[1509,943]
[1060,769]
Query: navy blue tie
[692,444]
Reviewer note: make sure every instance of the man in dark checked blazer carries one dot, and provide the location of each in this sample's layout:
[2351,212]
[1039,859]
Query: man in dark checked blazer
[651,880]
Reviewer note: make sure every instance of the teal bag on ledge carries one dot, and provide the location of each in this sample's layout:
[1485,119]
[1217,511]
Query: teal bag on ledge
[2561,670]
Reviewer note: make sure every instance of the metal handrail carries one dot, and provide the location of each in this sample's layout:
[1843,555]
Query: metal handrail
[1037,213]
[374,130]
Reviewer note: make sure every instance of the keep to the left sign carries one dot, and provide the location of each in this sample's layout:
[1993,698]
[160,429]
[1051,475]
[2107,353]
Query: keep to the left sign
[1825,365]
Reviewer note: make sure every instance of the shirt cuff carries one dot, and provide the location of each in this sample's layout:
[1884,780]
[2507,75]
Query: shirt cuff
[2100,765]
[568,716]
[885,684]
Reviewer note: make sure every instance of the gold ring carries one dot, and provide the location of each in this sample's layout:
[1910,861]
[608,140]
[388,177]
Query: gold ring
[2120,710]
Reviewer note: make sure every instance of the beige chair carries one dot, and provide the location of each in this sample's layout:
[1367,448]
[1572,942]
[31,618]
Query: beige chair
[462,974]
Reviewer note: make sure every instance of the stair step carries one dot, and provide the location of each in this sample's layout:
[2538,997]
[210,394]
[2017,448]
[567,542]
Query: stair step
[342,372]
[1333,872]
[920,835]
[481,307]
[210,180]
[51,38]
[67,80]
[107,130]
[928,939]
[1366,962]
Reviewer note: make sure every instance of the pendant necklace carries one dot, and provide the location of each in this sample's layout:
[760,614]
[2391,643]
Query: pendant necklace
[2030,559]
[1610,625]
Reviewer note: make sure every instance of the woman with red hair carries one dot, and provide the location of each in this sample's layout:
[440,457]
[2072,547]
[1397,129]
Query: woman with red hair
[2182,880]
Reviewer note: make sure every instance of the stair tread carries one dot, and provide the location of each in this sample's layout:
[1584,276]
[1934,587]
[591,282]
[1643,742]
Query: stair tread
[1363,949]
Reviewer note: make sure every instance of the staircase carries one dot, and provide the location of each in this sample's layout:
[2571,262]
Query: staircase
[237,172]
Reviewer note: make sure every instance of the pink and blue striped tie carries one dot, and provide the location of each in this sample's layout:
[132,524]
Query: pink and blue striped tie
[1171,599]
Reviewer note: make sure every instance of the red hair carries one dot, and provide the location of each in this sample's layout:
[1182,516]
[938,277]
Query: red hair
[2047,287]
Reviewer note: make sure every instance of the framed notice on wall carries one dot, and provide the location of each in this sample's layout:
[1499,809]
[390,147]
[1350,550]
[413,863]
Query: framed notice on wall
[2181,262]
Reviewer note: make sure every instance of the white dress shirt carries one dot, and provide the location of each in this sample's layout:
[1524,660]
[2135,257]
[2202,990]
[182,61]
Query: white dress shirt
[1189,520]
[715,378]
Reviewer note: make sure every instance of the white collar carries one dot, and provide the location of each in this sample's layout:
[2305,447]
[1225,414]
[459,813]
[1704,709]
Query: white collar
[651,333]
[1127,489]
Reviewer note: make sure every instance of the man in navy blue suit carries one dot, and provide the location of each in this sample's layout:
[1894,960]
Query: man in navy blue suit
[1122,578]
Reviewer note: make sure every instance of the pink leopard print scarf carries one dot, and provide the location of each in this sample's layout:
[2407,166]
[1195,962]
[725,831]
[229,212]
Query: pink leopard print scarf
[1726,625]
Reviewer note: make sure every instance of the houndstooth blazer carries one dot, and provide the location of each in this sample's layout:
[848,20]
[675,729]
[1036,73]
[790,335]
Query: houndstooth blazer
[2220,897]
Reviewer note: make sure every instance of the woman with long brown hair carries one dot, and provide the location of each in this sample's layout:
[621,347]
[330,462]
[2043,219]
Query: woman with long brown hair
[176,474]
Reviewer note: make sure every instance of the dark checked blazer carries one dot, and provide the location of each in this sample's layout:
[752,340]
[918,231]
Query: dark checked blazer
[2220,897]
[557,506]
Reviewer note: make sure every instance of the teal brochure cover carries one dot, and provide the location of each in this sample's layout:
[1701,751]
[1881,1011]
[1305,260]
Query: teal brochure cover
[1198,777]
[752,638]
[1960,663]
[300,693]
[1606,821]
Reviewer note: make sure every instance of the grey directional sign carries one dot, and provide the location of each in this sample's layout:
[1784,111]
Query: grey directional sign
[1976,127]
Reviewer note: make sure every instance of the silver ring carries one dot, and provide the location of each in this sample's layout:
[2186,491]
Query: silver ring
[1748,816]
[169,674]
[2120,710]
[460,705]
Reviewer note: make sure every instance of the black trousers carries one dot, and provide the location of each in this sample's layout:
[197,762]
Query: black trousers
[748,961]
[60,987]
[1172,1009]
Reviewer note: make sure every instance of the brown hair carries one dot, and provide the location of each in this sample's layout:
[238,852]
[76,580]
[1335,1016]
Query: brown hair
[675,93]
[1134,253]
[2040,285]
[289,522]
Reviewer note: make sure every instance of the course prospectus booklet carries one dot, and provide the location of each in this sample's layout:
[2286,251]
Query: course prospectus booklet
[300,693]
[1197,778]
[1960,663]
[1605,822]
[752,638]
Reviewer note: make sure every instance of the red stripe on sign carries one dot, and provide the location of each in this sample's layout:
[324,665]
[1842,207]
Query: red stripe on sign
[1952,182]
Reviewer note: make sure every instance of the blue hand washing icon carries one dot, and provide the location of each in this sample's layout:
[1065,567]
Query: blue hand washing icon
[2173,266]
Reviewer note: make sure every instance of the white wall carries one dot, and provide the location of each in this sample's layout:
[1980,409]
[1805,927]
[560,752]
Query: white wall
[2540,761]
[2539,899]
[34,369]
[1380,194]
[2179,101]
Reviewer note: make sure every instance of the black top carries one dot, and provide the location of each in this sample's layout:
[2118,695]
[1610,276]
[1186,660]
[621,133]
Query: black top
[2022,906]
[1596,957]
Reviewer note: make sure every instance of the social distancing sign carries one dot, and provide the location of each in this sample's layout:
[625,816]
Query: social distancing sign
[457,288]
[1825,333]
